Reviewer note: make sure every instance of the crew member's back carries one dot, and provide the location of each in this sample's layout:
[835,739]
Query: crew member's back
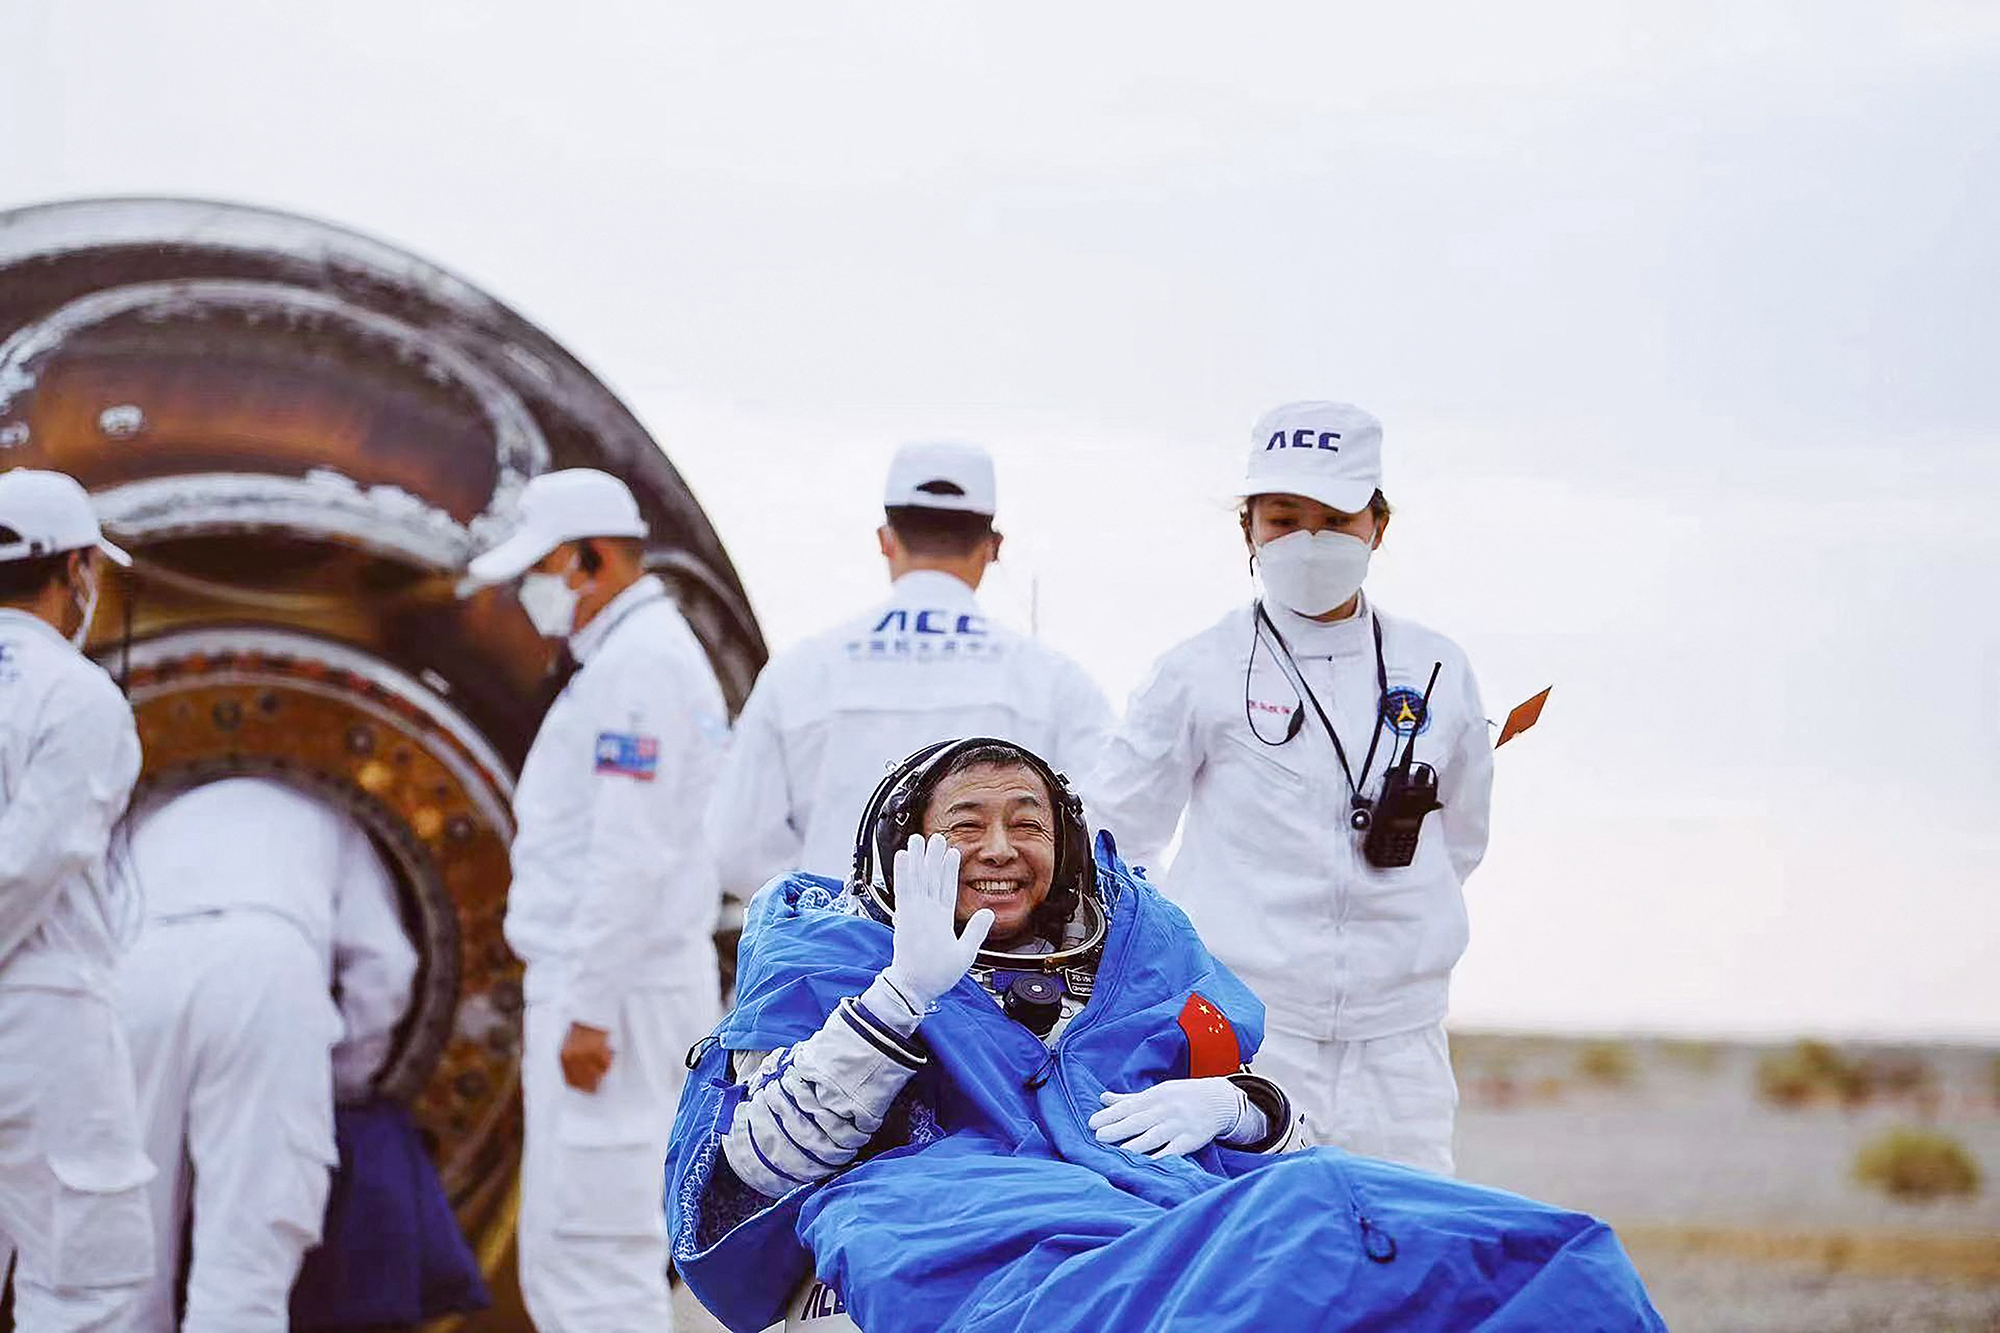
[831,716]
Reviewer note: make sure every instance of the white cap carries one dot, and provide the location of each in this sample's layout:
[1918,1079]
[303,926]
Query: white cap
[49,512]
[1329,452]
[559,507]
[942,476]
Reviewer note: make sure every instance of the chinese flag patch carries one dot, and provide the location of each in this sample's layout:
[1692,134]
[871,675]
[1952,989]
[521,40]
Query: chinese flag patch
[1212,1048]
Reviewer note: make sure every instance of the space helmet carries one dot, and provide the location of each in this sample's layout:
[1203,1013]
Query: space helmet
[1071,919]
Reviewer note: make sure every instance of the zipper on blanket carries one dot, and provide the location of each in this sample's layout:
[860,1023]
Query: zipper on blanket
[1098,1004]
[1099,1001]
[1376,1243]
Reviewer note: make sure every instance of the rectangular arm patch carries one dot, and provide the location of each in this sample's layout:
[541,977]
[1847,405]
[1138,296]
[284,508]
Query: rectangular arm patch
[1211,1039]
[628,755]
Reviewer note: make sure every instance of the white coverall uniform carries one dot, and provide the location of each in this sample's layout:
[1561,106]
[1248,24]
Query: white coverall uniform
[268,982]
[72,1172]
[1353,963]
[613,909]
[830,718]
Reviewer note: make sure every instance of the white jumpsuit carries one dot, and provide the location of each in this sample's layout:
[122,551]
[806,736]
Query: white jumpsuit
[830,717]
[613,909]
[268,981]
[1353,962]
[72,1173]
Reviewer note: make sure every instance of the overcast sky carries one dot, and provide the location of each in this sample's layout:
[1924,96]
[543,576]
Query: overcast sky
[1682,320]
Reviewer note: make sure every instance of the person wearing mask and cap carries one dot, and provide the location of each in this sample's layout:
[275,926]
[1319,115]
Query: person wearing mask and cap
[613,905]
[828,718]
[1333,767]
[72,1172]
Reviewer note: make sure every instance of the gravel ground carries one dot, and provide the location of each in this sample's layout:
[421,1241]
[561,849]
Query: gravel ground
[1681,1144]
[1707,1294]
[1684,1138]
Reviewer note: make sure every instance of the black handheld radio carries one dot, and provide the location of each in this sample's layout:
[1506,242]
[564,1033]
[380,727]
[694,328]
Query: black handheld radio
[1409,792]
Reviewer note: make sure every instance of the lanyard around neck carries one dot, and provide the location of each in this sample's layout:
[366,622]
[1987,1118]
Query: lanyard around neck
[1298,679]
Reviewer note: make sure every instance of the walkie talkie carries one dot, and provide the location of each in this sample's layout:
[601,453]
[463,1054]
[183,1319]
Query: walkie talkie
[1409,792]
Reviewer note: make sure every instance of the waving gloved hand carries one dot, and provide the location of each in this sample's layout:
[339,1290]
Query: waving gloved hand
[1178,1117]
[930,954]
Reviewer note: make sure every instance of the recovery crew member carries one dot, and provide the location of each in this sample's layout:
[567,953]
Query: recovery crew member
[1333,765]
[613,904]
[72,1174]
[267,983]
[831,716]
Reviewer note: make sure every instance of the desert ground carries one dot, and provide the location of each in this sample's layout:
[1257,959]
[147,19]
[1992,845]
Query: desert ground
[1729,1170]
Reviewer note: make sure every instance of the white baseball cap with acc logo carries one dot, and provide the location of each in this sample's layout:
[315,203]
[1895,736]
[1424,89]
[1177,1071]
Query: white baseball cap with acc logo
[1329,452]
[942,476]
[46,513]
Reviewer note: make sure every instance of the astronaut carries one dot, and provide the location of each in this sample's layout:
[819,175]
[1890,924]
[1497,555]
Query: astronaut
[995,1081]
[829,717]
[268,982]
[1333,765]
[1031,939]
[613,905]
[72,1172]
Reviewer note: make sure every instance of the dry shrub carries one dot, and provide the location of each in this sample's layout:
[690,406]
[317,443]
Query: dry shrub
[1813,1071]
[1917,1165]
[1903,1078]
[1609,1063]
[1700,1057]
[1497,1087]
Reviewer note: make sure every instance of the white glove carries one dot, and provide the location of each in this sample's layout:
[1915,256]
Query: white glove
[1178,1117]
[930,954]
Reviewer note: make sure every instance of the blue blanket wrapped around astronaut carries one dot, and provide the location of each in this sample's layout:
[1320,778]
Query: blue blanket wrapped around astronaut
[987,1203]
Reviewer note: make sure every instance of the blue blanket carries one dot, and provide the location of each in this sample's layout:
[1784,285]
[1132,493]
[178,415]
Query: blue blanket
[393,1253]
[987,1203]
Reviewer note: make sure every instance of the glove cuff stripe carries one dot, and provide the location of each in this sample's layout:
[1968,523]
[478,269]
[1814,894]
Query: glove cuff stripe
[871,1030]
[769,1165]
[778,1119]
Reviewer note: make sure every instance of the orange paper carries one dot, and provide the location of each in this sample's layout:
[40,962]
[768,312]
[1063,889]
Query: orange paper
[1524,716]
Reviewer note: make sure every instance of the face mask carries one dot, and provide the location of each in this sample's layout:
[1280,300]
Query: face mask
[550,603]
[1313,572]
[88,605]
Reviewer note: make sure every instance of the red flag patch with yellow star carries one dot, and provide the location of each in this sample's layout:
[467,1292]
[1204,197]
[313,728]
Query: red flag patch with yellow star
[1212,1048]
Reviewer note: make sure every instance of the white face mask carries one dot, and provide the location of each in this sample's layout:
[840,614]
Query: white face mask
[1313,572]
[550,603]
[88,605]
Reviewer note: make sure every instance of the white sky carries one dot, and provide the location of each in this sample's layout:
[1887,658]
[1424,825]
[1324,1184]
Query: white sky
[1683,321]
